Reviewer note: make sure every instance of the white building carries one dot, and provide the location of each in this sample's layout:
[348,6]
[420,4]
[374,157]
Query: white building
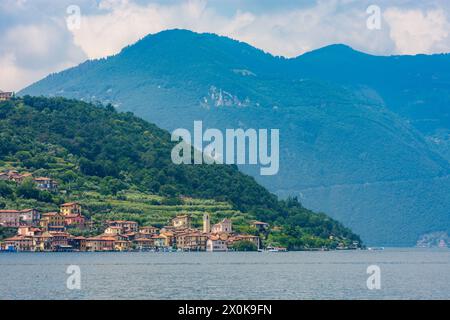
[216,243]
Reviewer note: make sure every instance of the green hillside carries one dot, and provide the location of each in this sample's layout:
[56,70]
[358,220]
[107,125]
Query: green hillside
[119,166]
[345,119]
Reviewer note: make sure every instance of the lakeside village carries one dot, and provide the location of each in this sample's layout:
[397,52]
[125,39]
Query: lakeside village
[48,232]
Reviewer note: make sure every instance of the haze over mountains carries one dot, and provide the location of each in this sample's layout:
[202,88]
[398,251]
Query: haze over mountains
[364,138]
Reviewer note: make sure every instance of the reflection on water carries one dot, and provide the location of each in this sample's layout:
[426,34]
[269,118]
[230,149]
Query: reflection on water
[405,274]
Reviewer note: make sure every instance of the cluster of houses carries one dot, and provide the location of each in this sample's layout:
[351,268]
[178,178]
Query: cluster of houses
[49,232]
[42,183]
[42,232]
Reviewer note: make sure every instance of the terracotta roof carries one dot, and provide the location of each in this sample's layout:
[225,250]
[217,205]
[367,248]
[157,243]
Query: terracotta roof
[18,238]
[68,216]
[50,214]
[106,238]
[69,204]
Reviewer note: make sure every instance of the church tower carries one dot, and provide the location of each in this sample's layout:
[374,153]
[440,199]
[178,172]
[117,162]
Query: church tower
[206,223]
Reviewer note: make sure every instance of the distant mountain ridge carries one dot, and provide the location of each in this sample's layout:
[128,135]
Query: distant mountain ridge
[363,137]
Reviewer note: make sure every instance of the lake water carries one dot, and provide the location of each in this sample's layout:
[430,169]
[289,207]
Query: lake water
[405,274]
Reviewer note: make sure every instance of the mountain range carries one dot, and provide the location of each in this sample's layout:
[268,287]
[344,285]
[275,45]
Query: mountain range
[364,138]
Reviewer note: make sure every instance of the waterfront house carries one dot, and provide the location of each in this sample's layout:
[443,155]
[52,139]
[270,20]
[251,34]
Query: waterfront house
[122,245]
[217,243]
[43,242]
[59,239]
[161,241]
[191,240]
[144,244]
[19,243]
[100,243]
[77,243]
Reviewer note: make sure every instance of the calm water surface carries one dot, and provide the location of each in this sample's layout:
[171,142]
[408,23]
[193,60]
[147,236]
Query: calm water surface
[405,274]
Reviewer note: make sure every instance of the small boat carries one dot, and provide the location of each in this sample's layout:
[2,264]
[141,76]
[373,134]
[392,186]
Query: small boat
[375,248]
[9,249]
[276,249]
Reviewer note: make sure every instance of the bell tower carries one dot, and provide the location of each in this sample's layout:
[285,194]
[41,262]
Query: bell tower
[206,223]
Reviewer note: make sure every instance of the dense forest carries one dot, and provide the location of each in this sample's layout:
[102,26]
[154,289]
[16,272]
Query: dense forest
[91,148]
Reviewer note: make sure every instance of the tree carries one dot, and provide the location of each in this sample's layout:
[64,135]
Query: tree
[244,245]
[5,190]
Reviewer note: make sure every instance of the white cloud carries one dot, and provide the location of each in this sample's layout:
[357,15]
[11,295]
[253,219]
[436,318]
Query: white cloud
[122,22]
[30,52]
[36,41]
[417,31]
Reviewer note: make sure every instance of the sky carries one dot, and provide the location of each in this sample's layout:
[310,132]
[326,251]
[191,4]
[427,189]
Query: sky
[40,37]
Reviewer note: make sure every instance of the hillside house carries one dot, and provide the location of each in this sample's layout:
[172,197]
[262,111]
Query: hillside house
[5,96]
[44,183]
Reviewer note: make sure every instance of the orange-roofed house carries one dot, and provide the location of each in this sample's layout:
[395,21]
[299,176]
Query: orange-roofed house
[191,240]
[100,244]
[70,208]
[19,243]
[78,243]
[122,245]
[60,239]
[30,231]
[52,219]
[145,244]
[148,230]
[217,243]
[126,226]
